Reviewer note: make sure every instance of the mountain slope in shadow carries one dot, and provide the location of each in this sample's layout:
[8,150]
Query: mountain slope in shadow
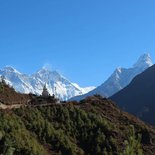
[139,96]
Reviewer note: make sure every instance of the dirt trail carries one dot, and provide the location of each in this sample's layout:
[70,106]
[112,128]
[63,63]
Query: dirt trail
[14,106]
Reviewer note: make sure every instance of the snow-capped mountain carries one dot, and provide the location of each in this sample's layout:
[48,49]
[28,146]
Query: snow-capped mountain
[120,78]
[55,83]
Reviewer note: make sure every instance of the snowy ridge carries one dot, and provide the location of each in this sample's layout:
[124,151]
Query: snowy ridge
[120,78]
[144,61]
[56,83]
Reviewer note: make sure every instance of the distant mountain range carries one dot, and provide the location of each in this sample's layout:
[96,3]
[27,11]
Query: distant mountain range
[67,90]
[120,78]
[34,83]
[139,96]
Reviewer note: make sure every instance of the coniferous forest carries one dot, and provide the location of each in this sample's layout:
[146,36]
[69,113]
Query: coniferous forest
[93,126]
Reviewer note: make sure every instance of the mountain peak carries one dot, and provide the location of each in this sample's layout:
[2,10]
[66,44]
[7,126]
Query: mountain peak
[118,70]
[144,61]
[10,69]
[46,71]
[45,68]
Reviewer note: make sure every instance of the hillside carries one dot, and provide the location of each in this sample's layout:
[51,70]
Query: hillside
[93,126]
[9,96]
[138,97]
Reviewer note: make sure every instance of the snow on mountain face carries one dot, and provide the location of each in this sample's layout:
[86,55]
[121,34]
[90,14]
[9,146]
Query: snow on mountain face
[144,61]
[120,78]
[56,84]
[14,78]
[84,90]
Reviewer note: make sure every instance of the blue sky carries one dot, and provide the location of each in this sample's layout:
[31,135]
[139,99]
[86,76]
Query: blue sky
[85,40]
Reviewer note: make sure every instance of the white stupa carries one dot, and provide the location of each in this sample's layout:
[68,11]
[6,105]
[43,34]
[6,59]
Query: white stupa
[45,92]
